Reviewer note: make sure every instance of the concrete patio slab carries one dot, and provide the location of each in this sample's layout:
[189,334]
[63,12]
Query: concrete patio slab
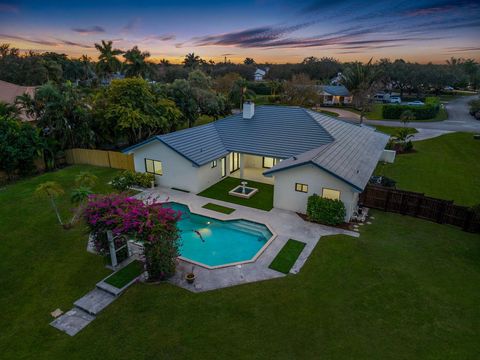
[72,321]
[95,301]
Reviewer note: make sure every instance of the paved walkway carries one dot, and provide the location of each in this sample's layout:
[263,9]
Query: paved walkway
[286,224]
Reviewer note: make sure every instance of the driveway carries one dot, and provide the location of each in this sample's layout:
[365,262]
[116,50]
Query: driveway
[458,119]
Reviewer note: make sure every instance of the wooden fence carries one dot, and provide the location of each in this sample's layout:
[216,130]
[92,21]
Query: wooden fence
[103,158]
[421,206]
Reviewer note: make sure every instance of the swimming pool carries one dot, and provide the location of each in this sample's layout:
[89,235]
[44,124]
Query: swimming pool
[214,243]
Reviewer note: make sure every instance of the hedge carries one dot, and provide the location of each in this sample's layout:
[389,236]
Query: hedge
[424,112]
[325,211]
[129,178]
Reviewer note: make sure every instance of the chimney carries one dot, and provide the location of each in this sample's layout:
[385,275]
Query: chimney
[248,109]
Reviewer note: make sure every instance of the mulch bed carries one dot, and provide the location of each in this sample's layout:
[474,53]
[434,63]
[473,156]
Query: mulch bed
[344,226]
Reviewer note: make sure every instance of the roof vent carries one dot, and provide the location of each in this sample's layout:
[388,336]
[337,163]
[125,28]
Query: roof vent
[248,109]
[294,158]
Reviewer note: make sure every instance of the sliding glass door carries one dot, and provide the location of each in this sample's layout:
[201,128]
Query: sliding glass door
[234,161]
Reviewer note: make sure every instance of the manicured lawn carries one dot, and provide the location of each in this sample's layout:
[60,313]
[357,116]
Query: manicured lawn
[446,167]
[286,258]
[262,200]
[218,208]
[406,289]
[393,130]
[123,276]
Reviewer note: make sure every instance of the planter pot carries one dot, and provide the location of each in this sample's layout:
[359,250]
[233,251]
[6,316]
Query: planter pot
[190,277]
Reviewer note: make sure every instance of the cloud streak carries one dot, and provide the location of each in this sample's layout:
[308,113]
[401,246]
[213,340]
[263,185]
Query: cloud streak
[46,42]
[89,30]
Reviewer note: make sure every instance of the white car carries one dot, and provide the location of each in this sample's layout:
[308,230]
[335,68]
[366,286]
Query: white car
[416,103]
[395,100]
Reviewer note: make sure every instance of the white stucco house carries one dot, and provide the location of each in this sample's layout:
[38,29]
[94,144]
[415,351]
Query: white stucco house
[259,74]
[334,94]
[301,152]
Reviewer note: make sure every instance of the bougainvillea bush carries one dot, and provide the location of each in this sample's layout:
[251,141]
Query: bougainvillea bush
[150,223]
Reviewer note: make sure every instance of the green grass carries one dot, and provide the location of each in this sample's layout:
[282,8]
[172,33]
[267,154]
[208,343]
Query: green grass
[218,208]
[126,274]
[262,200]
[445,167]
[285,259]
[406,289]
[329,113]
[375,112]
[393,130]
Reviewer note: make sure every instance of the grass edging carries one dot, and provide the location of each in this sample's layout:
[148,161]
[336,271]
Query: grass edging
[125,275]
[287,256]
[218,208]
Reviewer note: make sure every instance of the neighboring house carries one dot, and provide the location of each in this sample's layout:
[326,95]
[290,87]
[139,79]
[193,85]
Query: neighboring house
[299,151]
[259,74]
[337,80]
[9,92]
[334,94]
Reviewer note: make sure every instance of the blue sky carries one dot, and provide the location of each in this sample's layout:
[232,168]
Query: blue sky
[273,31]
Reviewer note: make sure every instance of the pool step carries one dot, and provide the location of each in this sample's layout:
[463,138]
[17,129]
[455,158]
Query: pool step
[251,228]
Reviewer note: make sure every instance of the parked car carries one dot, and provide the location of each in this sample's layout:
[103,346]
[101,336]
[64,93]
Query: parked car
[395,100]
[416,103]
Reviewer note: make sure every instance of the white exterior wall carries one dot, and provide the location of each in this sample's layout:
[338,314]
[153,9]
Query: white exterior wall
[285,197]
[178,172]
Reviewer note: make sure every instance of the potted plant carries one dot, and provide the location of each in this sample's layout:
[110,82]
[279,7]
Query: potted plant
[190,277]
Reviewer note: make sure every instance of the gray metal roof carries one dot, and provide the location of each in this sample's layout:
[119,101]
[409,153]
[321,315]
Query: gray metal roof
[352,157]
[336,90]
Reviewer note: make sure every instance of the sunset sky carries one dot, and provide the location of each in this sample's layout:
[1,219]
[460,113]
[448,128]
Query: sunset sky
[268,31]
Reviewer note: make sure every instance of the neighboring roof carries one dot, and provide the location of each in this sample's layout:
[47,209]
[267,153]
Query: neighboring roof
[260,72]
[336,90]
[352,157]
[300,136]
[9,92]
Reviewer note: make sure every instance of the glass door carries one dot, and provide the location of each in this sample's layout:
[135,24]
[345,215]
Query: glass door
[223,163]
[234,161]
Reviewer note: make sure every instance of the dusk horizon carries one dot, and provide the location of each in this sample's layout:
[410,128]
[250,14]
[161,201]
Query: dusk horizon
[269,32]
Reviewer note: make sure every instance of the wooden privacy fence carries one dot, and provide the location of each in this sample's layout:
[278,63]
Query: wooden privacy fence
[421,206]
[103,158]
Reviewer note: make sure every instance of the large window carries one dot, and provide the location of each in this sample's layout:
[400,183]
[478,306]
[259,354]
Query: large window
[330,194]
[153,167]
[268,162]
[234,161]
[223,163]
[301,187]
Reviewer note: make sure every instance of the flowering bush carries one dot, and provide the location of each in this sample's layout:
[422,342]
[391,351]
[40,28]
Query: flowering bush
[151,223]
[128,178]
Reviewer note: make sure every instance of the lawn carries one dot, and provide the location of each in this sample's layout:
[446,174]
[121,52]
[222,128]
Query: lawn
[446,167]
[262,200]
[126,274]
[287,257]
[406,289]
[218,208]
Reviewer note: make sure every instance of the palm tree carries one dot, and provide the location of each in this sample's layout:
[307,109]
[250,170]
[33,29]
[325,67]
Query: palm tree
[407,116]
[79,197]
[86,179]
[136,62]
[51,190]
[192,61]
[362,81]
[86,62]
[107,60]
[165,62]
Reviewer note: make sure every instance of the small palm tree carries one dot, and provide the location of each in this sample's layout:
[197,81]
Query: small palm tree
[192,61]
[407,116]
[79,197]
[51,190]
[86,179]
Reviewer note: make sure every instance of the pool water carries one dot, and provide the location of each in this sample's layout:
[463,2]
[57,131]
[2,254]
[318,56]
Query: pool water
[215,242]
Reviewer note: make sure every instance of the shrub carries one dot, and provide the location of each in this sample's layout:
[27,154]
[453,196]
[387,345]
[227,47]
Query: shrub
[325,211]
[127,178]
[424,112]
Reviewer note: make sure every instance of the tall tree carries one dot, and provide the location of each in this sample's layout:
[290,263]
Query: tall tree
[362,80]
[108,62]
[136,62]
[192,61]
[249,61]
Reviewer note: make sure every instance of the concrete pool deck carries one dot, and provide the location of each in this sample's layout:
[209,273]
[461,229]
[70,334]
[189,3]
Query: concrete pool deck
[286,224]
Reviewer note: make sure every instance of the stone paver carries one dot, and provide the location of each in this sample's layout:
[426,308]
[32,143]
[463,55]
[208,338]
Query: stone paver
[72,321]
[95,301]
[286,225]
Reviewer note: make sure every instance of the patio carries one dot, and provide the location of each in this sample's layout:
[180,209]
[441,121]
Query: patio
[285,224]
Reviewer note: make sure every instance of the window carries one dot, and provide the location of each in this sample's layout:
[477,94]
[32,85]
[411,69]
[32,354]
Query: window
[214,164]
[330,194]
[153,167]
[301,188]
[223,163]
[268,162]
[234,161]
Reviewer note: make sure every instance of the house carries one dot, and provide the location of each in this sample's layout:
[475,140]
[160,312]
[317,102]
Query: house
[299,151]
[259,74]
[334,94]
[9,92]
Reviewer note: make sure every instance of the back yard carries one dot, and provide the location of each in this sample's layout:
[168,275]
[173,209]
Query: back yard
[406,288]
[446,167]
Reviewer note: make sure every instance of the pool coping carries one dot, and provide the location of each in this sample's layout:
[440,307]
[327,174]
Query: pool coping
[252,260]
